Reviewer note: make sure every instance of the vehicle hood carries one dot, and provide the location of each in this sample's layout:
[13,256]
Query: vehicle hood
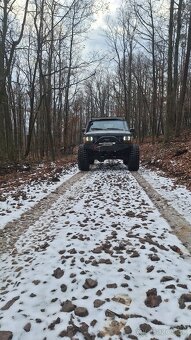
[100,133]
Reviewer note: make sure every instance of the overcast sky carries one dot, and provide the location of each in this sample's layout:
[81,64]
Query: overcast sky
[100,17]
[96,41]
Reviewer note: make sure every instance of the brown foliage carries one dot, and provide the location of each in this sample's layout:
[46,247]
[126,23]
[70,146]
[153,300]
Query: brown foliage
[13,176]
[173,158]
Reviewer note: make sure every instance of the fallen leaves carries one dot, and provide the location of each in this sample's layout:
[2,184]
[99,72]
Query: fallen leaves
[10,303]
[153,300]
[174,159]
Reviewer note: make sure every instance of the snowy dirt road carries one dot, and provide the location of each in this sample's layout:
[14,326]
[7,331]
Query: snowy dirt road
[101,262]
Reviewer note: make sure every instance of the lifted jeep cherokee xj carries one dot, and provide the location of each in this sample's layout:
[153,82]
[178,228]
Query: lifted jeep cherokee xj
[108,138]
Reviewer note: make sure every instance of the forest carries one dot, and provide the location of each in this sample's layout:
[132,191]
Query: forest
[50,85]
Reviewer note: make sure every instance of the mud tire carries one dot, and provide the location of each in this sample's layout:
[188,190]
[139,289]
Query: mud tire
[133,164]
[83,161]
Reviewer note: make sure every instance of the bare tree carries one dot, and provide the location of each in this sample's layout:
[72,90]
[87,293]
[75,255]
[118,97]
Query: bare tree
[184,81]
[150,22]
[176,56]
[79,15]
[8,46]
[121,41]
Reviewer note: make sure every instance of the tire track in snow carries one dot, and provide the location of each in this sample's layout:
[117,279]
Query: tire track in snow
[14,229]
[180,226]
[101,263]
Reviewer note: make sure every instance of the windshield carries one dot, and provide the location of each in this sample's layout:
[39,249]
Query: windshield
[108,125]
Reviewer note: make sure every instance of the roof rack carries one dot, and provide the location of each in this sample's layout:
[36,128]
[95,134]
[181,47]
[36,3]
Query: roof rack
[108,118]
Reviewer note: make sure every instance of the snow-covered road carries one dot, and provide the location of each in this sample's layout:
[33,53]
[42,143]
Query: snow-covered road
[101,263]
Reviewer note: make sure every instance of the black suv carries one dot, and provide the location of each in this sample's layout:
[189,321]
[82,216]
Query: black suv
[108,138]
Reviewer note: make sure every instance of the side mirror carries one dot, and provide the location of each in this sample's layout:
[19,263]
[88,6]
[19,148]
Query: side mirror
[132,132]
[83,130]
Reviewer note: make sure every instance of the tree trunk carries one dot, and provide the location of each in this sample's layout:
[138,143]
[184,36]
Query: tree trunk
[176,56]
[184,82]
[169,126]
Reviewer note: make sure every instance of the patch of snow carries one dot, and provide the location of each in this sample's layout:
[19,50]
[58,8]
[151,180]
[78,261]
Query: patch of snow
[177,195]
[27,195]
[108,230]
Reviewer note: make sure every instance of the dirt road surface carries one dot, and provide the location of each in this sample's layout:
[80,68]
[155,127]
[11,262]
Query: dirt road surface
[97,259]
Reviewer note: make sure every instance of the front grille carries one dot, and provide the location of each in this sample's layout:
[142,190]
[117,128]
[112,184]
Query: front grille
[109,139]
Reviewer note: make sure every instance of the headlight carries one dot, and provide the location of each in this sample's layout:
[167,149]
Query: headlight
[87,139]
[126,138]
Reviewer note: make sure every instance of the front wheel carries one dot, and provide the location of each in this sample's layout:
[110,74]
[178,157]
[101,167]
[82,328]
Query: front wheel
[83,162]
[133,164]
[91,161]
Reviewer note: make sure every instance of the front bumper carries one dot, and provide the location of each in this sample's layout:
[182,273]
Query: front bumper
[106,151]
[106,147]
